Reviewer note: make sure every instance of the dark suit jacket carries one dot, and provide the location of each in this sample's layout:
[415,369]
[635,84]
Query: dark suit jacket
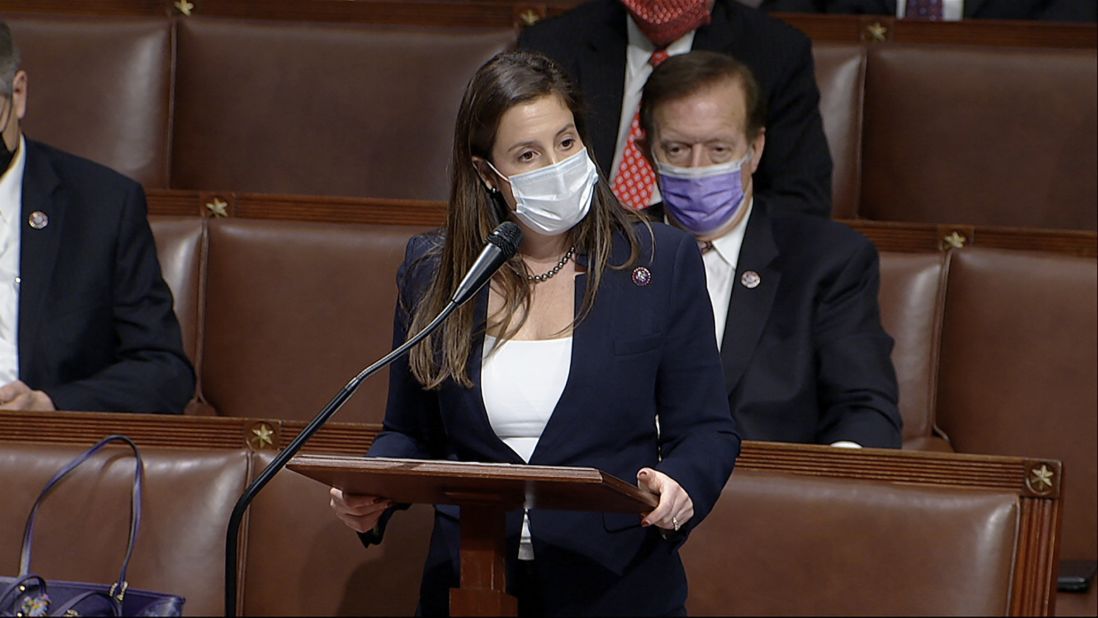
[641,350]
[96,325]
[1048,10]
[805,357]
[795,172]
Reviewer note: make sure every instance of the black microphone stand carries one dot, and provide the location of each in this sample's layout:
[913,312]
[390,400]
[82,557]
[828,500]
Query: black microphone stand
[280,461]
[502,244]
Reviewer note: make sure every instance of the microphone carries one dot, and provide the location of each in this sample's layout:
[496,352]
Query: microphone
[502,244]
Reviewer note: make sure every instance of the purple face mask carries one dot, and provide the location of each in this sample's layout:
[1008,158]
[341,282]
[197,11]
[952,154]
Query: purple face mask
[703,199]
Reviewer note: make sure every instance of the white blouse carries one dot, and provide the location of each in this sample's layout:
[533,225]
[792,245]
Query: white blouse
[521,382]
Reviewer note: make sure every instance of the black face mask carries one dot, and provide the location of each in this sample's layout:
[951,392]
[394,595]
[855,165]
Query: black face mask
[6,154]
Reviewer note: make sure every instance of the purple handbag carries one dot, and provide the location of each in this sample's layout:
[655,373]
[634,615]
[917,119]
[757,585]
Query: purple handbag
[31,595]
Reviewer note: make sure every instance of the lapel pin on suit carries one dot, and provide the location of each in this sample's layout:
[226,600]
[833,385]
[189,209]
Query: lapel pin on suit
[38,219]
[750,279]
[641,276]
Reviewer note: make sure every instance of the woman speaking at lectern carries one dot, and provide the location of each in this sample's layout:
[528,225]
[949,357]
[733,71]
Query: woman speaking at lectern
[593,346]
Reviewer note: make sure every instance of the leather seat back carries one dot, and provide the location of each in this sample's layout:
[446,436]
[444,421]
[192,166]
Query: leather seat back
[321,108]
[101,88]
[295,310]
[188,496]
[790,545]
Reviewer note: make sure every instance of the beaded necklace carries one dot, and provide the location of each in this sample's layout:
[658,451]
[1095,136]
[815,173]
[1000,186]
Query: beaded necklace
[549,274]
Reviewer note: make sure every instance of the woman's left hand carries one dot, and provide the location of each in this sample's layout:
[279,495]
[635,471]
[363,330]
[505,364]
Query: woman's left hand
[675,507]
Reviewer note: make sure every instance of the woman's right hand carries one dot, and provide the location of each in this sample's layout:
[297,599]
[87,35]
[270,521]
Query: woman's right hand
[360,513]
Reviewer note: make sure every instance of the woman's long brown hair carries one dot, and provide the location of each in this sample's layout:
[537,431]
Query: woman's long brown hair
[508,79]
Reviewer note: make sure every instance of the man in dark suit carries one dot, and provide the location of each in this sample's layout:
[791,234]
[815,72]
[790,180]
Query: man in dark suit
[600,42]
[1045,10]
[86,320]
[795,298]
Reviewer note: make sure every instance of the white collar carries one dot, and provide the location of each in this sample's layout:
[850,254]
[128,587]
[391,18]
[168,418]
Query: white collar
[729,244]
[11,185]
[640,48]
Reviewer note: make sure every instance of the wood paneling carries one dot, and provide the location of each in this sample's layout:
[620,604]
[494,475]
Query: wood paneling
[888,236]
[90,7]
[181,431]
[496,13]
[882,29]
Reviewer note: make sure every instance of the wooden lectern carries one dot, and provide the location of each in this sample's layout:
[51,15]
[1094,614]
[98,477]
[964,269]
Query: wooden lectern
[485,492]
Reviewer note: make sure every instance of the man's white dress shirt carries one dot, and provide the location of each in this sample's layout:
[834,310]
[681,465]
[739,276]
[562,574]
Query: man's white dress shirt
[11,209]
[637,70]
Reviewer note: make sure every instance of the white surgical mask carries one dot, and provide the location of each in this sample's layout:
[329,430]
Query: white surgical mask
[553,199]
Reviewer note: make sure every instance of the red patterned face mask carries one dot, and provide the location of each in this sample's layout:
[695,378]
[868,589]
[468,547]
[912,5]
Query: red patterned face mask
[663,21]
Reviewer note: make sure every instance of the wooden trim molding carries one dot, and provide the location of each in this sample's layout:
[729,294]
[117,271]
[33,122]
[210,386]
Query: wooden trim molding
[520,13]
[887,236]
[99,8]
[466,13]
[319,209]
[922,237]
[1032,478]
[884,29]
[182,431]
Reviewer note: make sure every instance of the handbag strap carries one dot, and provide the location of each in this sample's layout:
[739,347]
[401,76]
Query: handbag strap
[68,608]
[135,507]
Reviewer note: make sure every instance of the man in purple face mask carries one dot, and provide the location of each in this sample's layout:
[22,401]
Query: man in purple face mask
[611,46]
[794,297]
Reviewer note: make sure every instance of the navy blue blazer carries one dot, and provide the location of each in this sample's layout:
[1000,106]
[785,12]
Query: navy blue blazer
[96,326]
[805,356]
[795,172]
[641,351]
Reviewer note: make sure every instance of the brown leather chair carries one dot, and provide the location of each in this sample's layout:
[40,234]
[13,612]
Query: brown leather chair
[890,532]
[779,544]
[322,108]
[840,74]
[911,300]
[82,527]
[100,88]
[218,104]
[1018,363]
[302,561]
[295,310]
[981,136]
[179,247]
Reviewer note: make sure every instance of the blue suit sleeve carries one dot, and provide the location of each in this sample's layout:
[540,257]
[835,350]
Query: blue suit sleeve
[149,372]
[412,426]
[857,382]
[698,438]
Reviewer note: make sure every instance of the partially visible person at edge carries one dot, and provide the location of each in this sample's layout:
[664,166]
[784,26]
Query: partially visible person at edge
[610,47]
[795,298]
[593,346]
[86,320]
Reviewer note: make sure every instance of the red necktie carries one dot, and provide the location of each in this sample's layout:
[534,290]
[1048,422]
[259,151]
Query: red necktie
[924,9]
[634,181]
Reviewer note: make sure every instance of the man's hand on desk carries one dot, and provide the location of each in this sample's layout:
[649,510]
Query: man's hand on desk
[18,396]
